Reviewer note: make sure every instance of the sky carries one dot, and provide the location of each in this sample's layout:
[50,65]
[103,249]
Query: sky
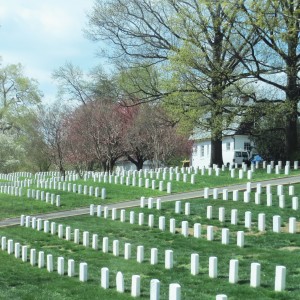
[43,35]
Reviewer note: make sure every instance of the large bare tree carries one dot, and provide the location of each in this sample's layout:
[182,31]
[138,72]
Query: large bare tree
[193,43]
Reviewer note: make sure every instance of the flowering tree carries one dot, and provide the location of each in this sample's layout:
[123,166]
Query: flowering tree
[95,134]
[151,136]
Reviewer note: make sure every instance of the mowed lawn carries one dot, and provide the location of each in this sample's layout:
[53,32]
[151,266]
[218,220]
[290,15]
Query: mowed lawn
[22,281]
[12,206]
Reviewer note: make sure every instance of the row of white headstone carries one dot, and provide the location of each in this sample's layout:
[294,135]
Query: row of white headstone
[71,175]
[247,219]
[169,261]
[44,196]
[233,271]
[22,252]
[74,188]
[174,288]
[143,182]
[257,196]
[162,224]
[11,190]
[135,292]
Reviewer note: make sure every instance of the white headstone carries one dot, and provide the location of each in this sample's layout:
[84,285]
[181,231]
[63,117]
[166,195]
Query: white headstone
[162,223]
[83,272]
[140,254]
[276,224]
[49,262]
[105,245]
[123,215]
[127,251]
[76,236]
[174,291]
[99,210]
[104,278]
[194,263]
[248,217]
[292,225]
[95,241]
[240,239]
[116,247]
[197,230]
[234,216]
[185,228]
[131,217]
[225,236]
[233,271]
[154,289]
[168,259]
[41,259]
[17,250]
[141,219]
[280,277]
[60,265]
[209,212]
[86,238]
[187,209]
[135,286]
[151,221]
[255,275]
[261,222]
[71,267]
[10,246]
[235,195]
[213,267]
[295,203]
[154,256]
[221,214]
[120,282]
[210,233]
[177,207]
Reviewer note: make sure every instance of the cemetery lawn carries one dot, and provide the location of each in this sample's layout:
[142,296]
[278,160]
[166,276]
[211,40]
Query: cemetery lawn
[21,281]
[15,206]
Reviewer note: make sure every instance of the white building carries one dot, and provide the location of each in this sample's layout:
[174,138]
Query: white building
[236,147]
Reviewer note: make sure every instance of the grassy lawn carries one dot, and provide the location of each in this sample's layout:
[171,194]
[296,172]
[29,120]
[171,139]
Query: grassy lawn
[268,248]
[15,206]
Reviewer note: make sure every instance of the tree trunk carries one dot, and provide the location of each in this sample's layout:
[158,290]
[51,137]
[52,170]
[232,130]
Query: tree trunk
[216,151]
[292,98]
[139,162]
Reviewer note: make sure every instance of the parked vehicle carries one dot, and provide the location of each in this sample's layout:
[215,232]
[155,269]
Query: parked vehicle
[237,157]
[256,158]
[241,157]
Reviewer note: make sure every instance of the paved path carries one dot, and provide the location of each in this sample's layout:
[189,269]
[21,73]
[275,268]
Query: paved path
[134,203]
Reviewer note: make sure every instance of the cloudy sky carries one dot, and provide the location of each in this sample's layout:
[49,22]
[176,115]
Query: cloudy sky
[44,34]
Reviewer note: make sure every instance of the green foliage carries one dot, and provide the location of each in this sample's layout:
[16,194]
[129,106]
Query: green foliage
[19,95]
[12,153]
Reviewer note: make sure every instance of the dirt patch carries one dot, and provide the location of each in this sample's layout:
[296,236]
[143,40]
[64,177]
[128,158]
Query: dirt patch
[286,227]
[252,233]
[191,230]
[291,248]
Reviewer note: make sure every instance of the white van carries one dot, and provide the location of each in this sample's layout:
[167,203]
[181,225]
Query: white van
[236,157]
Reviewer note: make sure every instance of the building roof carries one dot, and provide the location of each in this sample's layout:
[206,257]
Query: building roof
[235,128]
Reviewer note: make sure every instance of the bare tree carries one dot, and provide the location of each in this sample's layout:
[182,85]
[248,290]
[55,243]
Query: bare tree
[193,43]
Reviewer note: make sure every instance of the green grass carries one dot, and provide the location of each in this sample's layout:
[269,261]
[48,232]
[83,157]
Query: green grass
[268,248]
[14,206]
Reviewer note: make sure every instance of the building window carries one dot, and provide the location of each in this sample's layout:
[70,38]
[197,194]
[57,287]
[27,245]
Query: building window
[227,146]
[202,151]
[247,146]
